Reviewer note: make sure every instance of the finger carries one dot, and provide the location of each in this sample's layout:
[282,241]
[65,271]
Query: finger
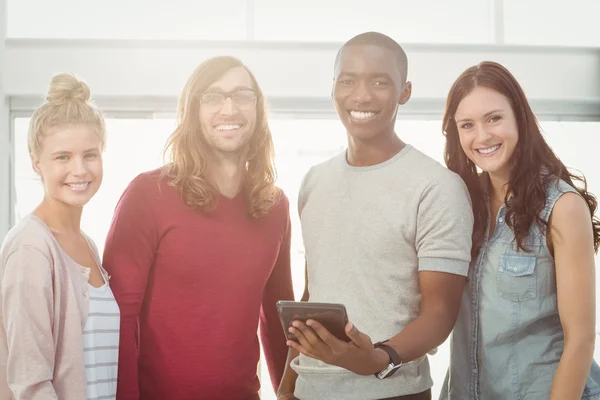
[360,339]
[302,339]
[325,335]
[298,347]
[308,333]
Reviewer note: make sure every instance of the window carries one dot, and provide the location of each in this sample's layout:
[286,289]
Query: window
[299,144]
[121,165]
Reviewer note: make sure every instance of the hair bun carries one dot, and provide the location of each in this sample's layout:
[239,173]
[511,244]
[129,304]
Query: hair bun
[67,87]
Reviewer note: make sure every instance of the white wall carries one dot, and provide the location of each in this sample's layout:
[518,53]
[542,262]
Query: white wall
[422,21]
[530,22]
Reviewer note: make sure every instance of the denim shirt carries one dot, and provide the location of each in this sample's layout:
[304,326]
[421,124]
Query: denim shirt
[508,339]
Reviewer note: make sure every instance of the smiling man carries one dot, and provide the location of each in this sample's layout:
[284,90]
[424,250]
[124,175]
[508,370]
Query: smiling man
[199,250]
[387,232]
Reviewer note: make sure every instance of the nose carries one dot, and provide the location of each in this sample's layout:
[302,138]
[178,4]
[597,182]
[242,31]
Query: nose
[228,107]
[78,167]
[362,93]
[482,133]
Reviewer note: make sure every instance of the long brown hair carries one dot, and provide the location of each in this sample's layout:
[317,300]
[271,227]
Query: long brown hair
[189,151]
[532,155]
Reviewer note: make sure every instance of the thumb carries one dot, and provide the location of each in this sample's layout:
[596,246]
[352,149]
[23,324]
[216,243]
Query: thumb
[359,338]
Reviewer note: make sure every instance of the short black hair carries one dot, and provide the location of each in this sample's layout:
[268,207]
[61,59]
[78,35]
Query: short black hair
[380,40]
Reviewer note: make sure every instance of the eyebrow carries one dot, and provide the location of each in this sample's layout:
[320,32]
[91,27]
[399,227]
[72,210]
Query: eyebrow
[63,152]
[217,89]
[374,75]
[487,114]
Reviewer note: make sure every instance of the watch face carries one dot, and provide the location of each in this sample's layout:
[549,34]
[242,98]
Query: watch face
[384,373]
[388,371]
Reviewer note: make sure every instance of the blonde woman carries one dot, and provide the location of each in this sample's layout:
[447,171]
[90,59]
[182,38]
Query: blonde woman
[60,322]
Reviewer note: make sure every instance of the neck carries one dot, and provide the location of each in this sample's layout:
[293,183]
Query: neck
[374,151]
[61,218]
[227,172]
[499,186]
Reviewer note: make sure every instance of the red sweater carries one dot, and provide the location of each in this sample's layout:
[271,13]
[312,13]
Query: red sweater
[192,288]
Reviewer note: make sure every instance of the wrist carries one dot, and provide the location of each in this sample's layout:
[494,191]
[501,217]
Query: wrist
[381,359]
[285,392]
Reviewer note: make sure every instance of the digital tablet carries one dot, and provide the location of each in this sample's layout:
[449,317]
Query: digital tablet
[331,315]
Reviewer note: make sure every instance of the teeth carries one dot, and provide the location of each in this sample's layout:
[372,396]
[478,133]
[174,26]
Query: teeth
[362,114]
[227,127]
[78,186]
[489,149]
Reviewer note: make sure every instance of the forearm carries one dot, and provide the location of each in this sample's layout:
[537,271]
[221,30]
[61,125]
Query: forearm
[272,335]
[288,382]
[573,370]
[423,334]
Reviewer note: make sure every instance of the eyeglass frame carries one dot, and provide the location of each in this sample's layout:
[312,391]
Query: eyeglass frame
[229,95]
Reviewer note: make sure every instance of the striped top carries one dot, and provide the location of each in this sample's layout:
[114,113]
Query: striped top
[101,344]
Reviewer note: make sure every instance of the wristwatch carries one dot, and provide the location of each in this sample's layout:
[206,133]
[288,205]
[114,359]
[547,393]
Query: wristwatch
[395,362]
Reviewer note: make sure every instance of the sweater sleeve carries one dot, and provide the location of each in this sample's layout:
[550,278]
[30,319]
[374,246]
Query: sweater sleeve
[129,253]
[279,287]
[27,310]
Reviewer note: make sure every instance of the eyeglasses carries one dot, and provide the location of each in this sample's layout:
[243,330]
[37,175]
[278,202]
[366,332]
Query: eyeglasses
[244,99]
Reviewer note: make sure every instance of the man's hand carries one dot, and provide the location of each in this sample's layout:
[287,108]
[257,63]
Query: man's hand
[358,356]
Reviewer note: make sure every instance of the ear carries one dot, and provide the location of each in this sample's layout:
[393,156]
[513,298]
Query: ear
[405,94]
[35,164]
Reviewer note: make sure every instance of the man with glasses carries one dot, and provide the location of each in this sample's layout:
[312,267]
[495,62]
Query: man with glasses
[199,250]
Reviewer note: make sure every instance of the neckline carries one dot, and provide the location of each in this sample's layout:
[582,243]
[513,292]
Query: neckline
[99,289]
[407,147]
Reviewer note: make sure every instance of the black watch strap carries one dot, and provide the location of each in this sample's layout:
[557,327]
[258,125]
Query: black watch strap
[394,357]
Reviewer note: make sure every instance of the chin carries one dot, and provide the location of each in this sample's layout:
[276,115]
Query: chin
[493,169]
[77,199]
[76,203]
[230,149]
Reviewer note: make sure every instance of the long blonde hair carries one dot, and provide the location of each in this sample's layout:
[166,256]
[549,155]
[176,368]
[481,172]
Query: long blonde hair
[188,150]
[68,102]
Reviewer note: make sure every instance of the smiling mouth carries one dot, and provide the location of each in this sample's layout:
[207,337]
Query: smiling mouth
[228,128]
[78,187]
[488,150]
[362,115]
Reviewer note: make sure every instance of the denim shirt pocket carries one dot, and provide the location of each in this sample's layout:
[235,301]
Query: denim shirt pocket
[516,279]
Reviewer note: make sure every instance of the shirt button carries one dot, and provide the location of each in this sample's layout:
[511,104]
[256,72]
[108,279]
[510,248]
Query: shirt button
[85,295]
[500,219]
[515,268]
